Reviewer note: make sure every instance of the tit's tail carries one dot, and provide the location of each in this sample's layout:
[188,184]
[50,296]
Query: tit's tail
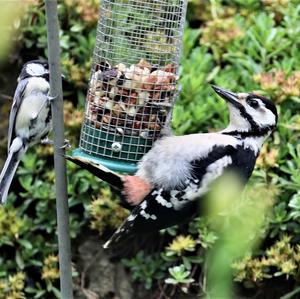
[16,151]
[100,171]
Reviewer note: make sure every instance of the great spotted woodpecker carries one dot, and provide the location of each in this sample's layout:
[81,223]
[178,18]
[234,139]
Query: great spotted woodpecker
[179,170]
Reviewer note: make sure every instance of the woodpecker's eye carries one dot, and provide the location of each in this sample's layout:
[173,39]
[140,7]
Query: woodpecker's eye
[253,103]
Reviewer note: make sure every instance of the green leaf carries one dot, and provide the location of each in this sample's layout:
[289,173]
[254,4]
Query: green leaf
[19,260]
[25,243]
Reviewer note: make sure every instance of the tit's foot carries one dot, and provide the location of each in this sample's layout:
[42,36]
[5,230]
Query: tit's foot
[50,99]
[47,141]
[135,189]
[66,144]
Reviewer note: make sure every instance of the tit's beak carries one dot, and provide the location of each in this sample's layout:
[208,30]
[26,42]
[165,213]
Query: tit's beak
[227,95]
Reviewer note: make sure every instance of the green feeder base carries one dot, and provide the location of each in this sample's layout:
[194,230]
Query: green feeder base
[114,165]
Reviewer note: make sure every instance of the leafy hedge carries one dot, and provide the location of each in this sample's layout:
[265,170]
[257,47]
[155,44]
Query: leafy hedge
[240,45]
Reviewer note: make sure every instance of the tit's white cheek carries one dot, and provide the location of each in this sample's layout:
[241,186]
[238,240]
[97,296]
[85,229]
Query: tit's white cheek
[34,69]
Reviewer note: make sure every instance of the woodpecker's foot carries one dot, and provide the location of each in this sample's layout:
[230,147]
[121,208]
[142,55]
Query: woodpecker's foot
[135,189]
[66,144]
[47,141]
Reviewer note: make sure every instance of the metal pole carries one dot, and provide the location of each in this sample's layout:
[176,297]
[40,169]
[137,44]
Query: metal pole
[64,243]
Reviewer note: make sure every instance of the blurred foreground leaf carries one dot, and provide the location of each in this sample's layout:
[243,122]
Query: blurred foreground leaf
[238,222]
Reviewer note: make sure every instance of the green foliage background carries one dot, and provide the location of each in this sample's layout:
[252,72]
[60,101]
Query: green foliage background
[240,45]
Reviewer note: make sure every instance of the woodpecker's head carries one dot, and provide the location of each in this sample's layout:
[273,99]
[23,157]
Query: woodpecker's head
[249,112]
[35,68]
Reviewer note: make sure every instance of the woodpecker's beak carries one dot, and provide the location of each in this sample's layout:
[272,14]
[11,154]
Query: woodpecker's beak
[226,95]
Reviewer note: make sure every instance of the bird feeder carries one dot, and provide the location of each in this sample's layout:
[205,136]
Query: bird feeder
[134,80]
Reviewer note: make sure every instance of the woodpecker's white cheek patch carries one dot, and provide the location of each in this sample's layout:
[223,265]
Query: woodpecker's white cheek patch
[263,117]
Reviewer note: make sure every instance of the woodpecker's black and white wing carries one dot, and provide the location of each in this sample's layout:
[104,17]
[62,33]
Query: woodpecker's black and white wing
[18,98]
[163,207]
[156,212]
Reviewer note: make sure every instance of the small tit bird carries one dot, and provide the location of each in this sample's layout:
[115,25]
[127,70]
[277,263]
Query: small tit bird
[29,120]
[179,170]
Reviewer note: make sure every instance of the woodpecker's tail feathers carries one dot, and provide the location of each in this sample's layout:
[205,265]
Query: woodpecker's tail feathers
[125,231]
[15,153]
[100,171]
[117,238]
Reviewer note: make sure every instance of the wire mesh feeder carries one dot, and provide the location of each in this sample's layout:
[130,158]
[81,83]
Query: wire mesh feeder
[133,83]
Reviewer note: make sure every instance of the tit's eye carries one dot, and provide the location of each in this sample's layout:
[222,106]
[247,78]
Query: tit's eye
[253,103]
